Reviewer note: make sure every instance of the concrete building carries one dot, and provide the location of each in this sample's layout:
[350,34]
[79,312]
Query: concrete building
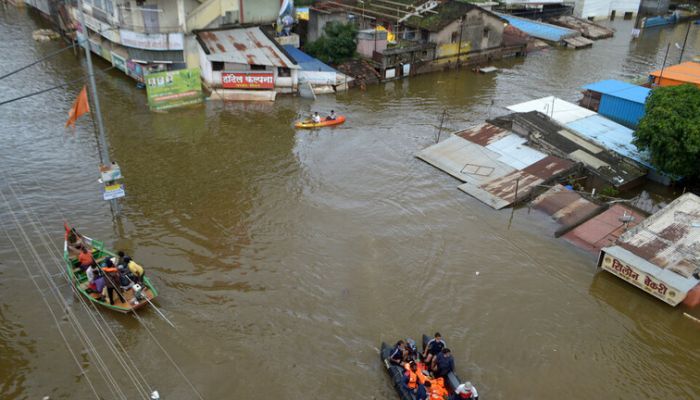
[145,36]
[245,64]
[602,9]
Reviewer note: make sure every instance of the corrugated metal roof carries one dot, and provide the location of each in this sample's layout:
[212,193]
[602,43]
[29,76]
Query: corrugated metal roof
[555,108]
[669,239]
[623,90]
[512,151]
[483,134]
[540,30]
[685,72]
[610,135]
[465,160]
[500,192]
[603,229]
[566,207]
[305,61]
[244,46]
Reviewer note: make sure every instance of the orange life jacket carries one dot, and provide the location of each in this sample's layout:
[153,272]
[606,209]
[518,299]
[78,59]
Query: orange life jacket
[412,380]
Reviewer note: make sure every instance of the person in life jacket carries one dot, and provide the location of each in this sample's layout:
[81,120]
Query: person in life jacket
[410,379]
[434,393]
[465,391]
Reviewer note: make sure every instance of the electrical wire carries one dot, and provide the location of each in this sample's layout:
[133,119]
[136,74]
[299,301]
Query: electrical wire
[49,89]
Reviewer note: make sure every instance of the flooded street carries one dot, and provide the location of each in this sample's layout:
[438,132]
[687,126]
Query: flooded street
[284,257]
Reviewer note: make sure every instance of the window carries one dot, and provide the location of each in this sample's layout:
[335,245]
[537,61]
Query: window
[454,37]
[255,67]
[284,72]
[217,65]
[628,15]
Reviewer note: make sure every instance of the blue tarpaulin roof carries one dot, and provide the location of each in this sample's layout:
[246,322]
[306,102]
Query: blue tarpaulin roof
[305,61]
[610,135]
[623,90]
[540,30]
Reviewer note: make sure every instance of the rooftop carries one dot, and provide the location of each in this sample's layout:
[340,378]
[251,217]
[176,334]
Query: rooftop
[446,13]
[685,72]
[540,30]
[250,46]
[669,239]
[305,61]
[623,90]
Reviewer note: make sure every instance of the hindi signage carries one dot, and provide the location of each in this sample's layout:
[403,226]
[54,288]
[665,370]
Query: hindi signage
[173,88]
[112,192]
[248,80]
[642,280]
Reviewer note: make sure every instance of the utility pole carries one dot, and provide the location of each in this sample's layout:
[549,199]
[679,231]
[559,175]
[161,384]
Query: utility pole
[661,74]
[459,45]
[104,149]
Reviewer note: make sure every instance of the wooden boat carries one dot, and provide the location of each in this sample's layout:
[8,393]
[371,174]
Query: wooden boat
[133,300]
[396,373]
[307,124]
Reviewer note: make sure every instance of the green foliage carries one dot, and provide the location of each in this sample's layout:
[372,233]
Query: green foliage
[609,191]
[670,130]
[337,45]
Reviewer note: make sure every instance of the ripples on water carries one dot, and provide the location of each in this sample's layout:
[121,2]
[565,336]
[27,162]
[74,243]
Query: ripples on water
[285,257]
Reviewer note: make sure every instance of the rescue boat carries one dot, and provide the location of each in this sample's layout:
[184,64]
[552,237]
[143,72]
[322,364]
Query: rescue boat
[133,298]
[396,373]
[308,124]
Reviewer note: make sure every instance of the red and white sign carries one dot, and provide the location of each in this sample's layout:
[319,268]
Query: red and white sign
[248,80]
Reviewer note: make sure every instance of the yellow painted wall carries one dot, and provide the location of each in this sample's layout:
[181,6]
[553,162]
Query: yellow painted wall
[448,52]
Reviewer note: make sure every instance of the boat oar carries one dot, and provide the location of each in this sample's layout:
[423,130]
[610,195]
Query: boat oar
[160,313]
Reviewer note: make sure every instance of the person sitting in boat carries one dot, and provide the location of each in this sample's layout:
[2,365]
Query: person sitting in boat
[398,354]
[465,391]
[331,116]
[316,118]
[433,347]
[135,269]
[435,391]
[92,272]
[412,377]
[85,259]
[443,363]
[75,245]
[120,258]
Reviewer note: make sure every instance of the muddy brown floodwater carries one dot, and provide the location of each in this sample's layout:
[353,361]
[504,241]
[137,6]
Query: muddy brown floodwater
[285,257]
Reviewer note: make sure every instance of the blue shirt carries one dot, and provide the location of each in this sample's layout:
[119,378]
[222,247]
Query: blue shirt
[396,354]
[421,393]
[435,346]
[445,364]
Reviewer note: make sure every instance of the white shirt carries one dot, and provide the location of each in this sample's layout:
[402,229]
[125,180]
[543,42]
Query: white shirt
[461,389]
[90,274]
[316,118]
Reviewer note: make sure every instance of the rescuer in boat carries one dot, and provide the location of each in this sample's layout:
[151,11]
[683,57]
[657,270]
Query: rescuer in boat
[443,363]
[135,270]
[398,354]
[433,348]
[112,281]
[316,118]
[331,116]
[465,391]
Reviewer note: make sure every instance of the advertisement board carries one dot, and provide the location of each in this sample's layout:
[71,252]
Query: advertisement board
[248,80]
[173,88]
[152,41]
[118,62]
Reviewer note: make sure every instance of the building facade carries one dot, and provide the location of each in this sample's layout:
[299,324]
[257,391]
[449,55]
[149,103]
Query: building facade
[602,9]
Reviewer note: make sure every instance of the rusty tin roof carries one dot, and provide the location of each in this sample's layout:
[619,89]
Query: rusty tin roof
[669,239]
[244,46]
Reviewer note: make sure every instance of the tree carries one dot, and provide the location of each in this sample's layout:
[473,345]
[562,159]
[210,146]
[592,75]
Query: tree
[337,45]
[670,130]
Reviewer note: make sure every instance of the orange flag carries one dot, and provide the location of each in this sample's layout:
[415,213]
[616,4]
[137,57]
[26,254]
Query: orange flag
[80,107]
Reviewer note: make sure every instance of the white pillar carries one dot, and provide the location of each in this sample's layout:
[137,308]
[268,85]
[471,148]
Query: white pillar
[181,16]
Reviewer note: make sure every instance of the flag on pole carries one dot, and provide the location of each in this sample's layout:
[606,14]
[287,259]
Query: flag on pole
[80,107]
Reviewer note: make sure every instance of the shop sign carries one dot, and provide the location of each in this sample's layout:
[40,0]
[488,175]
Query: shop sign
[248,80]
[173,88]
[118,62]
[642,280]
[152,41]
[134,70]
[112,192]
